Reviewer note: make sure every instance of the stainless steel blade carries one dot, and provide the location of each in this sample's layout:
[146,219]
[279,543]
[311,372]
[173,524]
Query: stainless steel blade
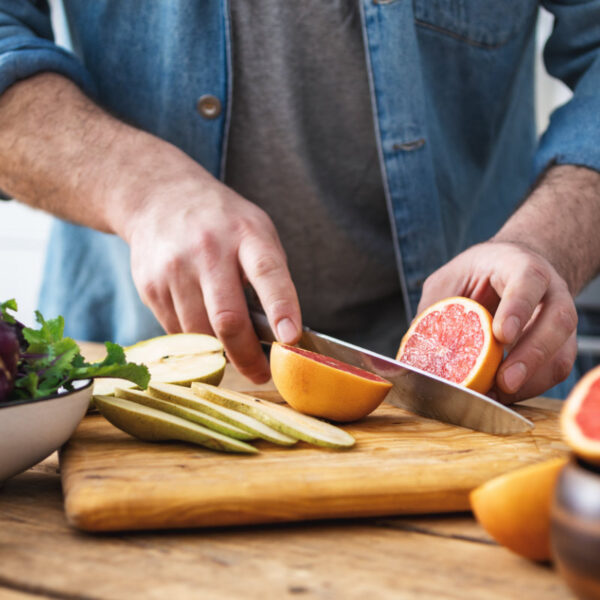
[414,390]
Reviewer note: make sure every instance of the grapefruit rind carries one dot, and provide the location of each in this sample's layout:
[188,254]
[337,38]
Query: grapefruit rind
[584,447]
[482,374]
[514,508]
[318,389]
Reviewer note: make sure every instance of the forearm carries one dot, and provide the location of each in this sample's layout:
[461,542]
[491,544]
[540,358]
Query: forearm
[560,221]
[63,154]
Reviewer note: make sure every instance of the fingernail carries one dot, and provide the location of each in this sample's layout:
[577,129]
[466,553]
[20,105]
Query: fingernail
[510,329]
[514,376]
[286,331]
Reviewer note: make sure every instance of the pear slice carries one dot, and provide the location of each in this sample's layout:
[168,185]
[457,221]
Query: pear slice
[105,386]
[151,425]
[173,344]
[186,368]
[185,413]
[179,358]
[185,397]
[284,419]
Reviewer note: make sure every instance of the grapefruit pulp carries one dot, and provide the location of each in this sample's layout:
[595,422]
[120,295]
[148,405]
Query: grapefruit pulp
[453,339]
[321,386]
[580,417]
[514,508]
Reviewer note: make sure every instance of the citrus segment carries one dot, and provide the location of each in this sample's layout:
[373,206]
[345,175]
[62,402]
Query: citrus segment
[580,417]
[514,508]
[325,387]
[453,339]
[335,363]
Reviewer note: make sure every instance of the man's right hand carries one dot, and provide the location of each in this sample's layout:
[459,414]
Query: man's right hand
[194,242]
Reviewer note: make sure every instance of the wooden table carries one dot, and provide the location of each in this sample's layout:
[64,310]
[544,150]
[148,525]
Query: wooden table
[411,557]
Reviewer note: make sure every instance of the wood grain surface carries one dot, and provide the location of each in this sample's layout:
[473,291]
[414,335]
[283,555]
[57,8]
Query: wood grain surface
[402,464]
[415,557]
[393,558]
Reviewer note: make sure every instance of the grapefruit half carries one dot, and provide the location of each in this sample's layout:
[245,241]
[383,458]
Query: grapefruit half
[514,508]
[321,386]
[453,339]
[580,417]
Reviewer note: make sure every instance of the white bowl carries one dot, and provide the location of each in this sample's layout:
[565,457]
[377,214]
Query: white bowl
[31,430]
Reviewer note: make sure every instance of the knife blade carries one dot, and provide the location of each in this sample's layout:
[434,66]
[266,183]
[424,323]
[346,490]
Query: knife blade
[413,389]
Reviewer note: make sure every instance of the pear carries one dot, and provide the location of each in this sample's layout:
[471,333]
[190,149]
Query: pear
[282,418]
[185,413]
[179,358]
[185,397]
[174,344]
[184,369]
[149,424]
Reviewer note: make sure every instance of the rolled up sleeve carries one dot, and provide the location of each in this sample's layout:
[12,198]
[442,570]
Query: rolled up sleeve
[572,54]
[27,46]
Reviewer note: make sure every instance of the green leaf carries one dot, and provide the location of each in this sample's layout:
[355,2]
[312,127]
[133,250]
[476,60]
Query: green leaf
[52,362]
[5,307]
[114,365]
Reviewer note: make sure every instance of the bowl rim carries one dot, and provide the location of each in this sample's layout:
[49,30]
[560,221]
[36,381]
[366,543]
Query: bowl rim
[81,384]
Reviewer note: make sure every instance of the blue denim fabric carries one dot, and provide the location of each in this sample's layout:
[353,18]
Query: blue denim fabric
[452,96]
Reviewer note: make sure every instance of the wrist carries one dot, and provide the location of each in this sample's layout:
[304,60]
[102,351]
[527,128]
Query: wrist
[559,221]
[148,175]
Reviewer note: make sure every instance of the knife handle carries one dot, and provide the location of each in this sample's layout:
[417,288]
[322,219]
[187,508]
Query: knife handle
[261,326]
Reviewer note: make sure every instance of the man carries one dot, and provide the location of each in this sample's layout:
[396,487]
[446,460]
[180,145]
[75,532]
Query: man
[333,155]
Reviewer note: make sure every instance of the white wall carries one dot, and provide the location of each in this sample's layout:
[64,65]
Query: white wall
[23,231]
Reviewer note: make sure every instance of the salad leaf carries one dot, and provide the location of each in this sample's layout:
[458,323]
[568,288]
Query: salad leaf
[49,361]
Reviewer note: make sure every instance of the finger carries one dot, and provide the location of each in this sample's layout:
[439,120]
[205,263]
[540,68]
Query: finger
[439,285]
[228,314]
[520,291]
[547,334]
[265,266]
[159,300]
[547,376]
[188,302]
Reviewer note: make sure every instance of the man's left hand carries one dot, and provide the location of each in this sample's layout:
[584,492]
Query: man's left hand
[534,313]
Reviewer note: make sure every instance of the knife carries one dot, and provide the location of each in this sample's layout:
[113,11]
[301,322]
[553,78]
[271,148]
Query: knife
[413,389]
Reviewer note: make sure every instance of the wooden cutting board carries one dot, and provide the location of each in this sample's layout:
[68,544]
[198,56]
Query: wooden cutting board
[401,464]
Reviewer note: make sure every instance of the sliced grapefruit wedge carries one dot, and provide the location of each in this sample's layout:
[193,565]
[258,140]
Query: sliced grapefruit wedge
[453,339]
[580,417]
[514,508]
[321,386]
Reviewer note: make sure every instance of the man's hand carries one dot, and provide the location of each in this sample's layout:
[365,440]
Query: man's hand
[193,245]
[194,242]
[528,275]
[534,313]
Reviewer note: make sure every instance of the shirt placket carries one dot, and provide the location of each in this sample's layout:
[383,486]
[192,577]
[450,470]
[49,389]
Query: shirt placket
[399,109]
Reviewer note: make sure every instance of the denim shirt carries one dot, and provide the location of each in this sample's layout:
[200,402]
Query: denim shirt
[452,96]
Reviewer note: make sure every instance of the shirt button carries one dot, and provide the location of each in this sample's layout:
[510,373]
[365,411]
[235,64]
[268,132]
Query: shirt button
[209,106]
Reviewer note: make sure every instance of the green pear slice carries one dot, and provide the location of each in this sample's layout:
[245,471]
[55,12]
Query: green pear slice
[185,397]
[174,344]
[179,358]
[184,369]
[105,386]
[185,413]
[284,419]
[151,425]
